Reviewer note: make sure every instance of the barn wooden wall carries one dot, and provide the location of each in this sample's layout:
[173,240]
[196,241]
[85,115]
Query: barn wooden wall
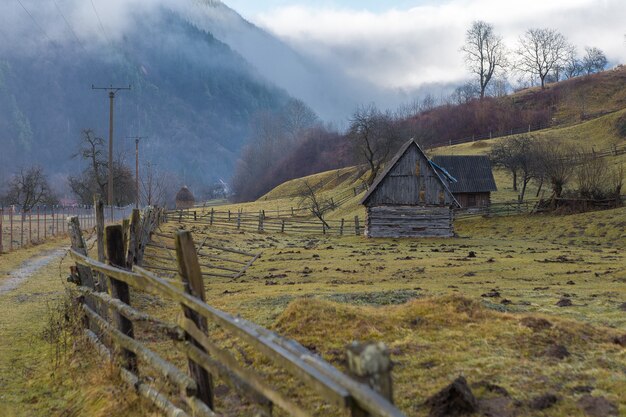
[409,221]
[412,181]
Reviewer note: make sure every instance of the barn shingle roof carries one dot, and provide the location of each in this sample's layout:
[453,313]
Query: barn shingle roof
[472,172]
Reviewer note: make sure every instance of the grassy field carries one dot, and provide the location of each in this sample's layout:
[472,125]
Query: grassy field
[483,305]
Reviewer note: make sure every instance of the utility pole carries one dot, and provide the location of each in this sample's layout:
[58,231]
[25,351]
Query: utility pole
[112,91]
[137,139]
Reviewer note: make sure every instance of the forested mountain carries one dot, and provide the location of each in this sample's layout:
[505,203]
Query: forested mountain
[192,96]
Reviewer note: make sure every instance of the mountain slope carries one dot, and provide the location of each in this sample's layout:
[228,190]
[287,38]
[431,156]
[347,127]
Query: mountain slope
[192,95]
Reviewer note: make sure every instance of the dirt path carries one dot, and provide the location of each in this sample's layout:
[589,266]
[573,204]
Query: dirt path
[28,268]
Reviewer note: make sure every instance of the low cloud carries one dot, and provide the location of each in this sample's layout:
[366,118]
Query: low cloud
[412,47]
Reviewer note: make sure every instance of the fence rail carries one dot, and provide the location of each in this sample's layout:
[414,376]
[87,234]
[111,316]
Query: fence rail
[263,222]
[110,320]
[19,228]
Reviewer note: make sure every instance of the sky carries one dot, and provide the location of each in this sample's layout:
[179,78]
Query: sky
[406,44]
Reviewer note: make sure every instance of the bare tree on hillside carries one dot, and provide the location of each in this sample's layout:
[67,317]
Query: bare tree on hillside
[374,136]
[554,163]
[541,51]
[484,53]
[594,60]
[503,155]
[312,201]
[573,66]
[29,188]
[518,155]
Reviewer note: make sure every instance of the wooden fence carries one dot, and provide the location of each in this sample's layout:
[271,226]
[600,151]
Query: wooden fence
[20,228]
[110,319]
[262,222]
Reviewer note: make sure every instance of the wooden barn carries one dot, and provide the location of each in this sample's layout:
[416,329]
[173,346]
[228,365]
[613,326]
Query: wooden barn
[474,178]
[410,198]
[184,198]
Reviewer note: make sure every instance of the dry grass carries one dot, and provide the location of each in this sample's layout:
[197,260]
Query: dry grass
[437,307]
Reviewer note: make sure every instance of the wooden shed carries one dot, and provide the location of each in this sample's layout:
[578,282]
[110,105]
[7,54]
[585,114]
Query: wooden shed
[410,198]
[474,178]
[184,198]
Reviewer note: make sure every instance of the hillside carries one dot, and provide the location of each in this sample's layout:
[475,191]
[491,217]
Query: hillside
[188,88]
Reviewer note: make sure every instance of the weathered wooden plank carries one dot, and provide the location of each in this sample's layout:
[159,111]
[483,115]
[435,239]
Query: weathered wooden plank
[247,380]
[248,265]
[119,289]
[134,239]
[166,369]
[191,275]
[169,330]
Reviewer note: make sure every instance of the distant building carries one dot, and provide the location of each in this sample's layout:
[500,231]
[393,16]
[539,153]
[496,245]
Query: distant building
[410,198]
[185,199]
[474,178]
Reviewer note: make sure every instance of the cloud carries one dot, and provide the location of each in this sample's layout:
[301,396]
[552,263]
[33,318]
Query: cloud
[412,47]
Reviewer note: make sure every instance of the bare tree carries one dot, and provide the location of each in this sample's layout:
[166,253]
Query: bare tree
[297,117]
[541,51]
[156,186]
[484,53]
[503,155]
[28,188]
[596,179]
[555,163]
[374,136]
[594,60]
[94,178]
[312,201]
[518,156]
[573,66]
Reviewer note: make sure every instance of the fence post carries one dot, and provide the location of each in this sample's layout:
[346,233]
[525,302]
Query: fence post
[125,229]
[292,215]
[134,237]
[195,215]
[282,226]
[341,227]
[229,216]
[118,289]
[190,274]
[369,363]
[22,229]
[30,226]
[11,228]
[356,226]
[260,223]
[98,205]
[238,220]
[38,233]
[1,229]
[85,275]
[212,212]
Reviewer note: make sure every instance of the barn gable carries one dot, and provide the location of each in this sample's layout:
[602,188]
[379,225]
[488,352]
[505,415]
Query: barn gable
[409,179]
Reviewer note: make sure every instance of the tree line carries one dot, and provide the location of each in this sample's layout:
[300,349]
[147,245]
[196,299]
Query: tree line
[541,54]
[566,171]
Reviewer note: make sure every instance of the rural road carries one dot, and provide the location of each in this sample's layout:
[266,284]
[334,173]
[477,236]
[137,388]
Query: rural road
[28,268]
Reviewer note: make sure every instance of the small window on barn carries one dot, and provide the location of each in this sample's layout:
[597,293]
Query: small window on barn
[422,196]
[417,169]
[442,198]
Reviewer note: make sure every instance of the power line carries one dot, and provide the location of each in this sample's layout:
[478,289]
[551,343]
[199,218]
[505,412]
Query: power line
[34,20]
[69,26]
[100,22]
